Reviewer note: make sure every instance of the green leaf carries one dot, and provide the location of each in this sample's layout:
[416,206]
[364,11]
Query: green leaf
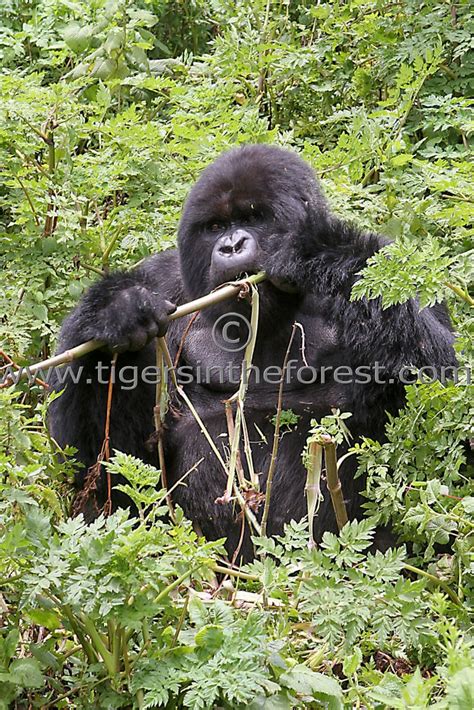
[460,690]
[304,681]
[210,637]
[401,159]
[26,673]
[352,662]
[46,618]
[8,645]
[77,38]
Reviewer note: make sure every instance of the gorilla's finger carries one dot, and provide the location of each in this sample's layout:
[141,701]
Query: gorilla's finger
[121,347]
[138,339]
[169,307]
[151,330]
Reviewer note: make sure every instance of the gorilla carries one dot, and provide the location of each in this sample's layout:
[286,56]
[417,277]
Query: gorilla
[257,207]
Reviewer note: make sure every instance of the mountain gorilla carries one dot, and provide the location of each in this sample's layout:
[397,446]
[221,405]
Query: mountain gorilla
[255,208]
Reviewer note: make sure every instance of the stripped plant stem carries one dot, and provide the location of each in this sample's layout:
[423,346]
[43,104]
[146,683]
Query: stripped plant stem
[276,436]
[254,480]
[94,472]
[231,431]
[169,491]
[223,293]
[333,481]
[180,391]
[106,447]
[314,467]
[239,397]
[161,401]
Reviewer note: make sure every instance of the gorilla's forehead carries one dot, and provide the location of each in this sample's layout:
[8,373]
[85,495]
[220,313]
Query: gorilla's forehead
[228,193]
[259,178]
[236,201]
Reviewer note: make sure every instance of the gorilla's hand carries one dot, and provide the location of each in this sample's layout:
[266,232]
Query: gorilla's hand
[283,265]
[133,317]
[121,312]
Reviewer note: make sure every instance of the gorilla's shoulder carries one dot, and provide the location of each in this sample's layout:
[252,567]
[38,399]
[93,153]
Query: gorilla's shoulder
[162,272]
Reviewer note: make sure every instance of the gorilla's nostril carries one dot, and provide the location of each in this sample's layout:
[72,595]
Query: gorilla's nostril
[239,244]
[233,244]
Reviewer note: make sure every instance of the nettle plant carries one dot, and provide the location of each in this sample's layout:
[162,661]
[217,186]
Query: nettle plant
[109,111]
[126,613]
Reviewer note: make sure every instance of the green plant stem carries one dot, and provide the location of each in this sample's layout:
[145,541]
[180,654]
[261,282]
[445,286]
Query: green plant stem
[182,617]
[460,292]
[334,484]
[235,573]
[117,643]
[439,582]
[109,248]
[90,267]
[99,645]
[29,200]
[76,627]
[179,580]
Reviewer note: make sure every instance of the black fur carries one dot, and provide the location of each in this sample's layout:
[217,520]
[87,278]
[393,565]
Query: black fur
[312,260]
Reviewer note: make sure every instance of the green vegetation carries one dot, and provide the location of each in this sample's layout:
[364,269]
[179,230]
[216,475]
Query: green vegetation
[109,109]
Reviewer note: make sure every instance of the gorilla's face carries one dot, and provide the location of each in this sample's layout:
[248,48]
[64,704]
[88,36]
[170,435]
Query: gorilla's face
[235,252]
[251,210]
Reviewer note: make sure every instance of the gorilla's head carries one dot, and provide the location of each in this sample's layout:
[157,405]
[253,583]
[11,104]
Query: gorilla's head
[254,207]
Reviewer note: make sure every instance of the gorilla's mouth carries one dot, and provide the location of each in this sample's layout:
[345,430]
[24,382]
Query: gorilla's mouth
[280,284]
[245,274]
[224,275]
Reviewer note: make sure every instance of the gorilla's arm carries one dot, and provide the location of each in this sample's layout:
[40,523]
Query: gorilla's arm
[395,337]
[124,310]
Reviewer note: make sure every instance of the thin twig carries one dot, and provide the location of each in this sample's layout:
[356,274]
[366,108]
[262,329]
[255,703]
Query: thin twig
[108,504]
[160,404]
[11,362]
[276,436]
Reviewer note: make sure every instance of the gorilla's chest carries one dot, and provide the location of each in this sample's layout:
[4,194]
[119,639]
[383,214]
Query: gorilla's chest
[212,354]
[210,368]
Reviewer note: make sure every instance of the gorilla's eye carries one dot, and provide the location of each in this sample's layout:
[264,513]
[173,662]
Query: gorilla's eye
[253,217]
[216,227]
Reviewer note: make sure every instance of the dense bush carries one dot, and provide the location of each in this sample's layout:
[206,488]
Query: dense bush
[109,110]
